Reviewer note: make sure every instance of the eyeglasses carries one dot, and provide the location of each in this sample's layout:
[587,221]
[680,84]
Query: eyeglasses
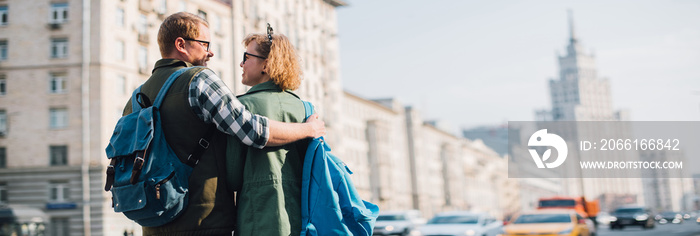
[202,42]
[245,56]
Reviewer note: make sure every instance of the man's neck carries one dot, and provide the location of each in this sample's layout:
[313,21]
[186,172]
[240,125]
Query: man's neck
[176,56]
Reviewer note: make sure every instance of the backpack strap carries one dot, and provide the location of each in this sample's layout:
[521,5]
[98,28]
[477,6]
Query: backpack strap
[309,109]
[164,90]
[135,98]
[141,155]
[202,144]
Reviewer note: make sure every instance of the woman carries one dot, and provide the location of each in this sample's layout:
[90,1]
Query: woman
[268,181]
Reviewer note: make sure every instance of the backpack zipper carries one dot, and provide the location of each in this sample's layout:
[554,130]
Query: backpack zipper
[162,182]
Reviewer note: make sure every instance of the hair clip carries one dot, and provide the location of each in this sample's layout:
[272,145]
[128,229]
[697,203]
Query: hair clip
[269,32]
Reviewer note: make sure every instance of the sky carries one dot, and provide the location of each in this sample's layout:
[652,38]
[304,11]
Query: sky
[472,63]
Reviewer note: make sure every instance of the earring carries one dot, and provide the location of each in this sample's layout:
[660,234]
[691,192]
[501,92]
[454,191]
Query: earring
[262,72]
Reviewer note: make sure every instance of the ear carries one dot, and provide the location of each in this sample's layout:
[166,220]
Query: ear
[180,45]
[264,69]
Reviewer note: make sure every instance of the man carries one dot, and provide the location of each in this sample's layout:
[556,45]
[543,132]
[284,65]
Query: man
[188,111]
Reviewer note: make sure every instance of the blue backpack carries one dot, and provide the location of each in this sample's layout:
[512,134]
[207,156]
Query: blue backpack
[330,204]
[149,184]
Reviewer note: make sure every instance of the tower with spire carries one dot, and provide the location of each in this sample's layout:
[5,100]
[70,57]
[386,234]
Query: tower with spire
[579,94]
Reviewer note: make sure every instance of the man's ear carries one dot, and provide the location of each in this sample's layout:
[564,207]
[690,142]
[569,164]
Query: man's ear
[180,45]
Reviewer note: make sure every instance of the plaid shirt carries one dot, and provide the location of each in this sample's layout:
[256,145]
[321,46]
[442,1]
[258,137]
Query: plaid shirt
[213,102]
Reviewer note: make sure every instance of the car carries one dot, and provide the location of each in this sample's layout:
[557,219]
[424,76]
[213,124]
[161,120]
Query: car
[686,215]
[669,216]
[632,216]
[462,223]
[603,218]
[548,222]
[398,222]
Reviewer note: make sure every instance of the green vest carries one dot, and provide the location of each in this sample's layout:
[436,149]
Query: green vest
[268,180]
[210,210]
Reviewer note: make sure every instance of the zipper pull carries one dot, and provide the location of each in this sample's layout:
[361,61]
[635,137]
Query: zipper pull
[158,191]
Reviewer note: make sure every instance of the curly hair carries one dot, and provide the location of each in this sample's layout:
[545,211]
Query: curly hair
[181,24]
[282,60]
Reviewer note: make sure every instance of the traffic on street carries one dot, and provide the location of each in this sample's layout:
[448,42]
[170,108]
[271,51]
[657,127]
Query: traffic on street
[686,228]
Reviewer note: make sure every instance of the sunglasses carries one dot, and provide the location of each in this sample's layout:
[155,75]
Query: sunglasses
[202,42]
[245,56]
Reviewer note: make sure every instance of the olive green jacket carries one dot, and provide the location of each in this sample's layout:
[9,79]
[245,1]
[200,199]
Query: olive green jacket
[210,209]
[268,180]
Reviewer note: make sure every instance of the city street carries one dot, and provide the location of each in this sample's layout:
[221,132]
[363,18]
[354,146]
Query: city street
[687,228]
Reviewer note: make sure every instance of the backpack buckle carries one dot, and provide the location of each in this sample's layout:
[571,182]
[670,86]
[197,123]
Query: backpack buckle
[191,161]
[203,143]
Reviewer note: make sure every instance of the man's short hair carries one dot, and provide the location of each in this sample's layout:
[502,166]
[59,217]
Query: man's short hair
[181,24]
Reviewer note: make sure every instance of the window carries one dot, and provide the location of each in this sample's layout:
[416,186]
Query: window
[202,14]
[58,118]
[3,85]
[59,191]
[59,48]
[3,193]
[3,50]
[119,17]
[216,21]
[58,83]
[58,156]
[3,15]
[143,24]
[3,123]
[121,85]
[162,7]
[60,226]
[59,13]
[3,164]
[120,50]
[143,59]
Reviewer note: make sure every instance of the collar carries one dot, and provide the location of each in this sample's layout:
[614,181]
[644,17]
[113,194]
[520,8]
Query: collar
[267,86]
[165,62]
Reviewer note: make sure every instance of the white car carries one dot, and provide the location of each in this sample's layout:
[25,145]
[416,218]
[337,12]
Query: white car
[398,223]
[462,223]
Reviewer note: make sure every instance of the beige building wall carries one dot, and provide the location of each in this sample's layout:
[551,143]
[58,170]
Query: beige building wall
[311,26]
[374,147]
[401,162]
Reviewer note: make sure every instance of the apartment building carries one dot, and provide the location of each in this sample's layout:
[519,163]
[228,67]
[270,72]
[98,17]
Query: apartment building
[402,162]
[67,67]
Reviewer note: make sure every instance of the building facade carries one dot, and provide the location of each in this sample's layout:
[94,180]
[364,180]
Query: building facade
[67,67]
[402,162]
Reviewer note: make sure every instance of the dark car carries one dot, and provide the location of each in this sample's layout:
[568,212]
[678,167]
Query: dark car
[670,217]
[632,216]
